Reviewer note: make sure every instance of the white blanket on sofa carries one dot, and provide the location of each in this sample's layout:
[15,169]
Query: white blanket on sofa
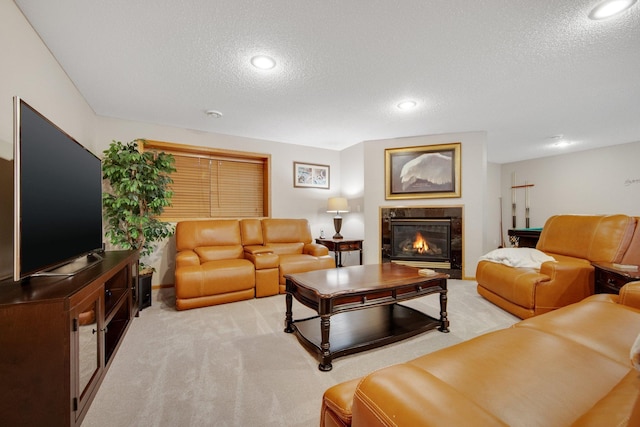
[518,257]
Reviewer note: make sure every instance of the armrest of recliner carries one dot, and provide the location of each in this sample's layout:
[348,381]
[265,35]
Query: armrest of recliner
[261,256]
[407,395]
[315,249]
[564,266]
[186,258]
[630,295]
[570,280]
[336,404]
[257,249]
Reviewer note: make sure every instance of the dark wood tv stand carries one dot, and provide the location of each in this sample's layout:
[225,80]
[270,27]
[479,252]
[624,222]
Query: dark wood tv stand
[58,336]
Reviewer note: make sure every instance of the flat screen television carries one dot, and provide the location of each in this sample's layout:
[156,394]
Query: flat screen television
[57,198]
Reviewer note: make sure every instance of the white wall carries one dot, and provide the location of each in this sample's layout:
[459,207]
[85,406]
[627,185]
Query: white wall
[492,238]
[600,181]
[30,71]
[352,187]
[475,181]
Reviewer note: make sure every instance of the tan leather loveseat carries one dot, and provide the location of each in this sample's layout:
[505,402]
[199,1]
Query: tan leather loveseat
[569,367]
[574,241]
[225,260]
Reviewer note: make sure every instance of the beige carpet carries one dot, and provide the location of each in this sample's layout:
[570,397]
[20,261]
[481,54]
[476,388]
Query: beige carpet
[232,364]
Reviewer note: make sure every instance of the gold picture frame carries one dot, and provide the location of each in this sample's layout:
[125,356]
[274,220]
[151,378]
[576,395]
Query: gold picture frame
[423,172]
[310,175]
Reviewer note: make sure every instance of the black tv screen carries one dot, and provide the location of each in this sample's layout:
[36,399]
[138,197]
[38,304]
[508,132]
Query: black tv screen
[58,204]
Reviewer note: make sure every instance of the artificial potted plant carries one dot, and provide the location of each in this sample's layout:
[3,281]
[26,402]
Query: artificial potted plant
[136,193]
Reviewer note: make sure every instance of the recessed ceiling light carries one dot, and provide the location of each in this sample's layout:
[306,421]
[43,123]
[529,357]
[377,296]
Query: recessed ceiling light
[213,113]
[263,62]
[407,105]
[609,8]
[558,141]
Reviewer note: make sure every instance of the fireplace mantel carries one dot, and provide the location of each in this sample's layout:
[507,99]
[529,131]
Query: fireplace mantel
[454,213]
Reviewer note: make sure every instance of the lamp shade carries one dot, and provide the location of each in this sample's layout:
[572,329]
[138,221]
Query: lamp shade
[337,205]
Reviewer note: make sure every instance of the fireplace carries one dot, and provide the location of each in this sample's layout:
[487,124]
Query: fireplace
[424,237]
[421,239]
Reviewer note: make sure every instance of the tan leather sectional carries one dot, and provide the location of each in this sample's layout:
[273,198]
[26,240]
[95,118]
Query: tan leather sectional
[574,241]
[568,367]
[225,260]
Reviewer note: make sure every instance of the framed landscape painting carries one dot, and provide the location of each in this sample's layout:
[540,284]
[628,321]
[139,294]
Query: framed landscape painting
[430,171]
[310,175]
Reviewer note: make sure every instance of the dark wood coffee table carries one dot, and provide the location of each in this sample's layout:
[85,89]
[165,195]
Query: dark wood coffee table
[358,308]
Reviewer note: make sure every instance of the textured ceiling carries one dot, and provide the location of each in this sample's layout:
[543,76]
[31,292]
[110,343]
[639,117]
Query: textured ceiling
[521,70]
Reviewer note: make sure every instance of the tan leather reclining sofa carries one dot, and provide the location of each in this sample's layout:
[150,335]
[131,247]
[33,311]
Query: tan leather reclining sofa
[574,241]
[568,367]
[225,260]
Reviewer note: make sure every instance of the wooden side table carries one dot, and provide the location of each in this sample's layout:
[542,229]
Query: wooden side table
[337,246]
[609,279]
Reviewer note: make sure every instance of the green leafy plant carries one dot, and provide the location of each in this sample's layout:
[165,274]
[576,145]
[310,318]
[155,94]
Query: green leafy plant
[136,193]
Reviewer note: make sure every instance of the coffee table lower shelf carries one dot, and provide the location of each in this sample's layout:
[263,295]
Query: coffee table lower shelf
[360,330]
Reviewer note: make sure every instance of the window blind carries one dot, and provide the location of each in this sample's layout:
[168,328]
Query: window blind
[212,183]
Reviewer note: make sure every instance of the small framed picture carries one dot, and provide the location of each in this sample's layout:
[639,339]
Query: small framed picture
[310,175]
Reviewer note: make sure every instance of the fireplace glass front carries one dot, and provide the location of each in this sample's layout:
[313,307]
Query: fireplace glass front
[419,239]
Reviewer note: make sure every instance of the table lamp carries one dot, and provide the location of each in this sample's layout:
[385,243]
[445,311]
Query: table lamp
[337,205]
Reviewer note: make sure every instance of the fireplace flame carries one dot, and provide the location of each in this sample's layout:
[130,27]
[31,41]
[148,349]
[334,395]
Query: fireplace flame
[420,244]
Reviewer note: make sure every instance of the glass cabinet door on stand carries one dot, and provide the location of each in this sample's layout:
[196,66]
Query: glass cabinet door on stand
[135,289]
[88,340]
